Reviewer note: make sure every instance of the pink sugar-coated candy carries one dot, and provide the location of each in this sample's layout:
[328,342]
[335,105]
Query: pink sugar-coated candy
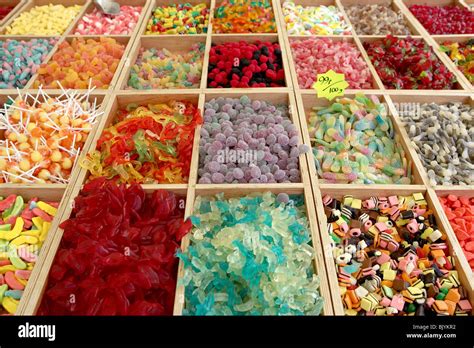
[26,255]
[22,274]
[315,56]
[12,282]
[98,23]
[2,280]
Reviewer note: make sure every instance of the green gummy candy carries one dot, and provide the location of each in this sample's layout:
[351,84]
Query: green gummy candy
[3,288]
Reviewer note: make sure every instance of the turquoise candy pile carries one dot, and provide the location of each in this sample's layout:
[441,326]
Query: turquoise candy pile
[160,69]
[354,142]
[250,255]
[19,60]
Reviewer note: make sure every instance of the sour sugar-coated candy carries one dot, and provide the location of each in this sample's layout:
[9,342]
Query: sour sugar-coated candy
[19,60]
[441,20]
[24,225]
[179,19]
[4,11]
[250,255]
[314,20]
[318,55]
[123,268]
[147,144]
[442,134]
[377,19]
[462,54]
[44,20]
[98,23]
[243,65]
[82,63]
[392,258]
[354,141]
[161,68]
[244,16]
[408,63]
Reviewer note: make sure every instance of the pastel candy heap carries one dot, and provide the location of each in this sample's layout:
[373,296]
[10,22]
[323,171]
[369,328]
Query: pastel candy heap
[147,144]
[461,53]
[123,268]
[4,11]
[377,19]
[314,20]
[24,225]
[250,255]
[179,19]
[441,20]
[43,20]
[43,136]
[460,212]
[244,16]
[392,259]
[98,23]
[318,55]
[408,63]
[354,142]
[160,68]
[444,139]
[19,60]
[82,63]
[246,141]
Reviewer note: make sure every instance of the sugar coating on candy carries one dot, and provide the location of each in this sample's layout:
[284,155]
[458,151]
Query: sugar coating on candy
[377,19]
[243,65]
[5,10]
[392,259]
[19,60]
[441,20]
[408,63]
[442,134]
[315,56]
[462,54]
[82,63]
[44,136]
[314,20]
[248,141]
[24,226]
[98,23]
[354,141]
[179,19]
[250,255]
[460,213]
[43,20]
[244,16]
[147,144]
[123,268]
[161,68]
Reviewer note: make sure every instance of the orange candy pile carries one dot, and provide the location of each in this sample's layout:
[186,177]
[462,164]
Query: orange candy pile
[81,62]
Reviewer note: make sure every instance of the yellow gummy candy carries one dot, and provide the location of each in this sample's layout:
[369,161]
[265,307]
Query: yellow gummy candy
[47,208]
[10,304]
[15,232]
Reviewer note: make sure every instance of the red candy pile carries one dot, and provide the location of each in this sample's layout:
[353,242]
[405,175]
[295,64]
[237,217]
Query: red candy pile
[242,65]
[444,19]
[407,63]
[460,212]
[4,11]
[117,255]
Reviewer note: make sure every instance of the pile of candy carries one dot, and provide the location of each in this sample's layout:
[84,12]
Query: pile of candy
[147,144]
[98,23]
[440,20]
[354,142]
[314,20]
[408,63]
[377,19]
[81,64]
[392,259]
[179,19]
[460,212]
[160,68]
[43,20]
[242,65]
[443,137]
[246,141]
[244,16]
[250,255]
[5,10]
[123,268]
[462,54]
[24,226]
[318,55]
[43,136]
[19,60]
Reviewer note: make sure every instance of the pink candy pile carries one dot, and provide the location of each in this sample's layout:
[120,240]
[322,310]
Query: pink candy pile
[98,23]
[318,55]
